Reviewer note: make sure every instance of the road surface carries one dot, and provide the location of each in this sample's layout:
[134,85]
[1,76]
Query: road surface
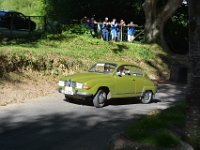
[51,123]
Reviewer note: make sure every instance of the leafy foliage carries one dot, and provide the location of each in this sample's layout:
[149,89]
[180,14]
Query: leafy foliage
[66,10]
[76,29]
[176,31]
[28,7]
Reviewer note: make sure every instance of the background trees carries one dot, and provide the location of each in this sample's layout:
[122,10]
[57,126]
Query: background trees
[156,16]
[67,10]
[27,7]
[176,26]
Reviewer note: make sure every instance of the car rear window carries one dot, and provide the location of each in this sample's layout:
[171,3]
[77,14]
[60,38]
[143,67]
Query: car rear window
[2,13]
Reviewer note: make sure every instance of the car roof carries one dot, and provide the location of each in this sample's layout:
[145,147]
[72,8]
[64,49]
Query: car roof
[8,11]
[119,63]
[3,12]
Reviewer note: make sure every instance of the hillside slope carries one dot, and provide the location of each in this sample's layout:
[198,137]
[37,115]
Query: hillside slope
[31,69]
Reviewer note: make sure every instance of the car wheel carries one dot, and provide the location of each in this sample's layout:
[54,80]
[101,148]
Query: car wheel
[146,97]
[100,98]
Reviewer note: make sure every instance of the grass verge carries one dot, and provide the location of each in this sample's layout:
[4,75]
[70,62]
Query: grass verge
[162,129]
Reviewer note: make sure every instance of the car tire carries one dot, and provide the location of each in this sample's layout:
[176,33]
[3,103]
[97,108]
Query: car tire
[146,97]
[100,99]
[67,98]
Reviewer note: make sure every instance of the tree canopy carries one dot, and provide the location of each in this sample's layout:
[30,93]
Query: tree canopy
[66,10]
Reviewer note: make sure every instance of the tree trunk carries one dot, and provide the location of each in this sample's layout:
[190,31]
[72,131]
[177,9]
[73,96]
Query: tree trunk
[155,20]
[151,30]
[193,95]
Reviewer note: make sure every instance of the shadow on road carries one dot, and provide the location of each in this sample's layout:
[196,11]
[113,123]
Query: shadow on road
[111,102]
[79,102]
[62,131]
[78,128]
[166,93]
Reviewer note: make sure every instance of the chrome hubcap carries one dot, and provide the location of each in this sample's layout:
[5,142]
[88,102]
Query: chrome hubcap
[102,97]
[147,96]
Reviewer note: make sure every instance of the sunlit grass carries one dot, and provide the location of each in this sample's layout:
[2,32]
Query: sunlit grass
[83,49]
[81,46]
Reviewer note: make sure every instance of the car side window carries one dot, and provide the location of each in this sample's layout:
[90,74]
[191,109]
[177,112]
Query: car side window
[16,15]
[21,16]
[127,70]
[8,15]
[124,70]
[137,71]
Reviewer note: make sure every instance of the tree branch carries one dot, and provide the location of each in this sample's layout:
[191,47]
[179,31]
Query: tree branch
[169,9]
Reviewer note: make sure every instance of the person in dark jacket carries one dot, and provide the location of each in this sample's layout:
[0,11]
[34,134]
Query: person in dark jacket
[105,29]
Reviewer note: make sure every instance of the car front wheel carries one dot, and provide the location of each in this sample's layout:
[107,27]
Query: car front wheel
[147,97]
[100,98]
[67,98]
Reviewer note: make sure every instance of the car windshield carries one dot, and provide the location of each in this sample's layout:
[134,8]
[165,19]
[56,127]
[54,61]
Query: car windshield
[103,68]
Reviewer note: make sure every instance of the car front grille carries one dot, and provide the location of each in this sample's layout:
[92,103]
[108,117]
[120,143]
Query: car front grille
[70,83]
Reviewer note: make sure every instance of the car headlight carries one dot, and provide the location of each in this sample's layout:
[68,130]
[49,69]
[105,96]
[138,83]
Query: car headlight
[79,85]
[61,83]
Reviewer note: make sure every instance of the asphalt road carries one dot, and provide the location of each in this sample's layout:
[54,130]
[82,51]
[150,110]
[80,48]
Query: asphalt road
[51,123]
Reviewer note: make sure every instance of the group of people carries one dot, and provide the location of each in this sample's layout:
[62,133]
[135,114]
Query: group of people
[111,30]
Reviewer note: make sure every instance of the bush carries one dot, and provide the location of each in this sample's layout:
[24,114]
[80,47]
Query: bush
[76,29]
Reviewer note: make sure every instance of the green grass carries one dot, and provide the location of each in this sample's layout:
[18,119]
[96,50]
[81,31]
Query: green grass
[82,51]
[82,46]
[158,129]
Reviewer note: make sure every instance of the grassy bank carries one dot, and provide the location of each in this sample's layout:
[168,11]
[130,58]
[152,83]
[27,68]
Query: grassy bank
[68,53]
[162,129]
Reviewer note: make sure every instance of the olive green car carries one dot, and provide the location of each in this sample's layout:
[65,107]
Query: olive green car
[106,80]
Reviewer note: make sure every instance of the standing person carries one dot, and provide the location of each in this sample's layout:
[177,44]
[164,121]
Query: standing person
[105,30]
[113,32]
[95,28]
[131,31]
[123,36]
[118,30]
[85,21]
[93,25]
[100,25]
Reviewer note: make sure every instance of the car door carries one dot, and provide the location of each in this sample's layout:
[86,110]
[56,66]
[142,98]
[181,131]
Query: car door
[138,77]
[19,21]
[124,84]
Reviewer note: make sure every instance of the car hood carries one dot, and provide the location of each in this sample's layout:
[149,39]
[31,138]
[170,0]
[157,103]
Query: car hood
[84,77]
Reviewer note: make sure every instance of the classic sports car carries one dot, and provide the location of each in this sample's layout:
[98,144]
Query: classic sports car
[106,80]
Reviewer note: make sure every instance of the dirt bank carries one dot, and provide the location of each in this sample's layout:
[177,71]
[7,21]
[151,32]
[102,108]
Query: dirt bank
[20,87]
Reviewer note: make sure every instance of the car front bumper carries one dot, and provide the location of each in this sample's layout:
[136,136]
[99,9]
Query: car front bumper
[76,94]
